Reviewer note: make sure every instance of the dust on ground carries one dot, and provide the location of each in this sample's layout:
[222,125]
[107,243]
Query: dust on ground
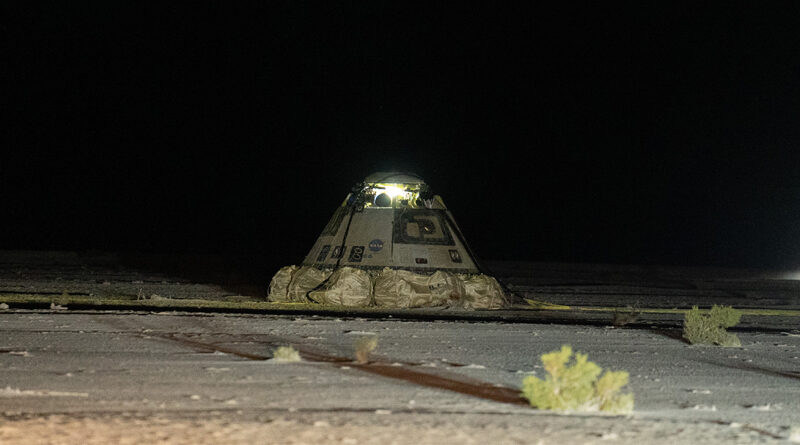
[381,427]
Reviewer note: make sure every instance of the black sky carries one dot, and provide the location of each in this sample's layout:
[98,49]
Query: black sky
[635,132]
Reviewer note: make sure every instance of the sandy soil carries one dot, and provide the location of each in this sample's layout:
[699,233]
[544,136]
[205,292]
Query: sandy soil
[217,278]
[75,377]
[379,429]
[174,378]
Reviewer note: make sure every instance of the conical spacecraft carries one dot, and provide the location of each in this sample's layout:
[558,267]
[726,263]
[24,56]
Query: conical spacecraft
[391,242]
[393,220]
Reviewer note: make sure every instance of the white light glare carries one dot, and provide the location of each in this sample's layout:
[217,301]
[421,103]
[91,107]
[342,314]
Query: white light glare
[393,191]
[795,275]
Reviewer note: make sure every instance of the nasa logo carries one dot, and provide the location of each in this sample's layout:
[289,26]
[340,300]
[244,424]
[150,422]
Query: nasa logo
[376,245]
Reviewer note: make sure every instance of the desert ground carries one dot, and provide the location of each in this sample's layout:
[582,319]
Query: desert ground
[108,348]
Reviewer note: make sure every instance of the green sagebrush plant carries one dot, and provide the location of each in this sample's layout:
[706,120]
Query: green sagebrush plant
[286,354]
[709,328]
[577,386]
[364,346]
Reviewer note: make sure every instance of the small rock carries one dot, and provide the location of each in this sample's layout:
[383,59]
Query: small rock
[700,391]
[704,407]
[767,407]
[475,366]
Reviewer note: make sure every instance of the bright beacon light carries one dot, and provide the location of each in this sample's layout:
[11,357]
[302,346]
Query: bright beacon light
[393,191]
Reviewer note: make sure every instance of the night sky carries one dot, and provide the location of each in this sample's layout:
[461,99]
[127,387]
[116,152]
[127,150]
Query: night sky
[639,132]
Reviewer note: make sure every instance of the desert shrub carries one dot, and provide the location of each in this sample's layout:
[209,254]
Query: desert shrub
[794,434]
[709,328]
[286,354]
[577,386]
[63,300]
[364,346]
[626,316]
